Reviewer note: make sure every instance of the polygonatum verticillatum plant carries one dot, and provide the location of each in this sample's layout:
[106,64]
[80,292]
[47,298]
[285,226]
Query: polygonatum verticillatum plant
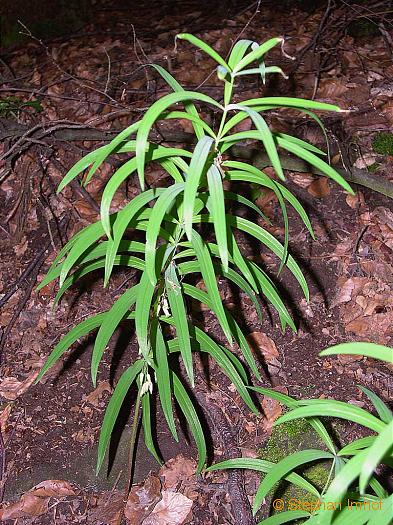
[174,251]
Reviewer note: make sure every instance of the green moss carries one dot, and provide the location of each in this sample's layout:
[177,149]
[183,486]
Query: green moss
[373,168]
[383,143]
[286,439]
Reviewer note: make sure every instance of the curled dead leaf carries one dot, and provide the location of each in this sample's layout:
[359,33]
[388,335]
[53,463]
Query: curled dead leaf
[319,188]
[141,499]
[94,397]
[173,509]
[262,344]
[35,502]
[11,388]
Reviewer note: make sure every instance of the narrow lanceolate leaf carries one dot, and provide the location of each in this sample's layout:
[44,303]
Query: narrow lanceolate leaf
[291,102]
[272,243]
[123,219]
[285,517]
[155,153]
[268,289]
[238,52]
[142,313]
[382,445]
[210,346]
[202,297]
[283,467]
[256,54]
[197,42]
[334,409]
[187,407]
[355,446]
[109,325]
[239,261]
[121,260]
[163,204]
[262,465]
[217,210]
[383,410]
[178,310]
[80,166]
[265,136]
[111,147]
[163,379]
[88,237]
[315,161]
[345,478]
[209,278]
[147,431]
[373,350]
[73,335]
[153,113]
[197,166]
[113,408]
[188,106]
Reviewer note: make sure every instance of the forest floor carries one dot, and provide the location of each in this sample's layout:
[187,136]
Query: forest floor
[96,80]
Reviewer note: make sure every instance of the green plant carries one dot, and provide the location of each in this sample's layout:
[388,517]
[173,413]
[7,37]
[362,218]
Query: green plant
[383,143]
[14,105]
[344,500]
[174,251]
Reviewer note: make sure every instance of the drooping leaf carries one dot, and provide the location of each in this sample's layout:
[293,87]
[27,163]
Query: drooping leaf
[174,291]
[197,166]
[187,407]
[113,408]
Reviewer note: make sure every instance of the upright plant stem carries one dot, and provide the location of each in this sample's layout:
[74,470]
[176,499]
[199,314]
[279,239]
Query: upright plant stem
[131,450]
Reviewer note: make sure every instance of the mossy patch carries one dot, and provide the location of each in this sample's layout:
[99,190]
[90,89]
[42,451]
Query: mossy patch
[373,168]
[286,439]
[383,143]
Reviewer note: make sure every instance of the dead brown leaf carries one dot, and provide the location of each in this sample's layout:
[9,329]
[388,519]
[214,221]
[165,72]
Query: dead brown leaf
[107,508]
[142,499]
[94,397]
[176,470]
[35,502]
[28,505]
[319,188]
[262,344]
[173,509]
[53,488]
[272,410]
[11,388]
[302,179]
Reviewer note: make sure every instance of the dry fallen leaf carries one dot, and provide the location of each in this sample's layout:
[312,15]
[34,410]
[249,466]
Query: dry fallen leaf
[173,509]
[262,344]
[106,508]
[302,179]
[272,410]
[11,388]
[142,499]
[319,188]
[28,505]
[35,502]
[176,470]
[355,201]
[94,397]
[4,415]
